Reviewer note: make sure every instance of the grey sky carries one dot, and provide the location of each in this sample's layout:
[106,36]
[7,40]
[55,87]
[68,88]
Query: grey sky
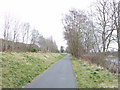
[44,15]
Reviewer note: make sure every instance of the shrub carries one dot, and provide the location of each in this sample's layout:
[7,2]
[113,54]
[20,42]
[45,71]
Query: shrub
[99,60]
[32,49]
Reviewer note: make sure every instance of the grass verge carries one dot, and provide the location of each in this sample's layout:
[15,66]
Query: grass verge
[18,69]
[92,76]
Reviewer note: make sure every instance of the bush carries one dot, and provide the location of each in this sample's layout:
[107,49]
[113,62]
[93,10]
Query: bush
[99,60]
[32,49]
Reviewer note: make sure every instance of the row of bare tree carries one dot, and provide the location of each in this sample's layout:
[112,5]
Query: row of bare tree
[93,32]
[16,31]
[46,45]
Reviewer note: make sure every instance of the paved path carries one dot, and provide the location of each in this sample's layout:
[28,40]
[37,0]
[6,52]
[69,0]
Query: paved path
[59,75]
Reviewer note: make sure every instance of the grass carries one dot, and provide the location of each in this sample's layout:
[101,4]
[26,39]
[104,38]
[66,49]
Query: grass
[18,69]
[92,76]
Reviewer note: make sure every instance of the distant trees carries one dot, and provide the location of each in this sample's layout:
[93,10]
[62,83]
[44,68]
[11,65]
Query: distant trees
[12,32]
[6,28]
[34,36]
[61,49]
[6,31]
[47,45]
[16,31]
[25,31]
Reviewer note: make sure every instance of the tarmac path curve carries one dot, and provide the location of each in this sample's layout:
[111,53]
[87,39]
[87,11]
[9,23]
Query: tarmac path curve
[59,75]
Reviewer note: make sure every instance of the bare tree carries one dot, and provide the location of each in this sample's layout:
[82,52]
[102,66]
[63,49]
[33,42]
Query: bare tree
[107,19]
[25,32]
[7,26]
[51,45]
[118,31]
[35,36]
[15,29]
[103,20]
[115,22]
[47,45]
[78,33]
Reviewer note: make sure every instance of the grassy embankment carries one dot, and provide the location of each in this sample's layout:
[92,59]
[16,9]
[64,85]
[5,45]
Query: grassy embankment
[92,76]
[18,69]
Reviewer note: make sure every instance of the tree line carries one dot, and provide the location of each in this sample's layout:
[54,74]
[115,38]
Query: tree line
[16,31]
[93,31]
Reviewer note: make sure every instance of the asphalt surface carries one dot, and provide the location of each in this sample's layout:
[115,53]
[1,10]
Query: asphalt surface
[59,75]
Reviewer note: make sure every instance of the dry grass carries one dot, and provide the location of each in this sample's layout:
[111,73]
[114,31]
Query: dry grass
[18,69]
[99,60]
[92,76]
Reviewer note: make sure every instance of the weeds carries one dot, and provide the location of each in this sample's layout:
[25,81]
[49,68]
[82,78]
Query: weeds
[92,76]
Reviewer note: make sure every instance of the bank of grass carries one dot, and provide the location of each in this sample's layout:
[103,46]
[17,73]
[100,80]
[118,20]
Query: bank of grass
[18,69]
[91,76]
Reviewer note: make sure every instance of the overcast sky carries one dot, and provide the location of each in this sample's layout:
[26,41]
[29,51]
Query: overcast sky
[44,15]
